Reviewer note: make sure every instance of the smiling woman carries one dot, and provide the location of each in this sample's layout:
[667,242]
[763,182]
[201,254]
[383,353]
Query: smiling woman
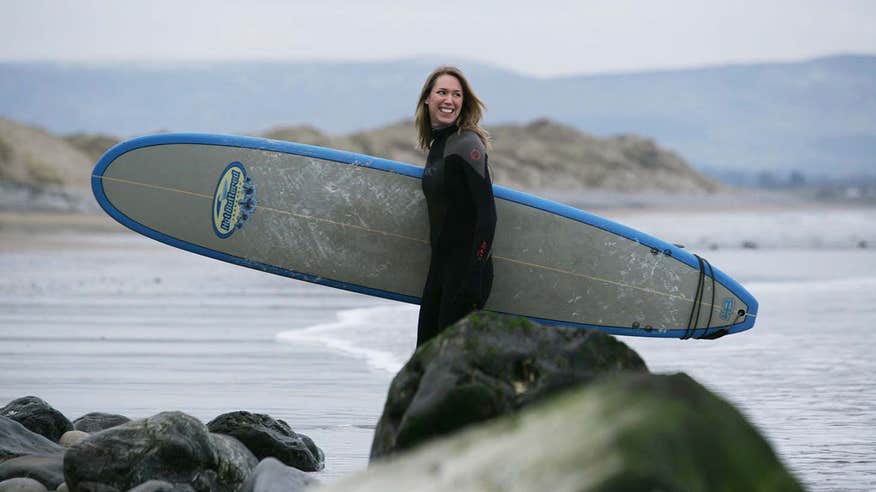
[459,196]
[444,101]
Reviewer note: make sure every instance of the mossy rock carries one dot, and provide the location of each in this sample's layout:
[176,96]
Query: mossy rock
[625,432]
[171,446]
[488,365]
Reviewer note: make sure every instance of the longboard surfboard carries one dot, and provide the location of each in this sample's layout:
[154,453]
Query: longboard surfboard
[359,223]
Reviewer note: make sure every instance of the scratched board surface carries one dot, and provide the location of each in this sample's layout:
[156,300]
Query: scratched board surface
[359,223]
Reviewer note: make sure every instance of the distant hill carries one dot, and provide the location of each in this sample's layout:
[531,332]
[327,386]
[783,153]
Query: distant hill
[32,156]
[541,155]
[816,116]
[40,172]
[93,145]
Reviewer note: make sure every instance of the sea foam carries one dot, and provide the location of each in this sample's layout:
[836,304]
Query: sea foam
[384,336]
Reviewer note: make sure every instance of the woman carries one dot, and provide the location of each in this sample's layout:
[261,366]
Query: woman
[459,196]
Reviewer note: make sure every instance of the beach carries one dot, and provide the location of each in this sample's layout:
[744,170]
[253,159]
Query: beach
[96,318]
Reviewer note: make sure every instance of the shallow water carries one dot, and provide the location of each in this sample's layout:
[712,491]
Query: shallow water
[118,323]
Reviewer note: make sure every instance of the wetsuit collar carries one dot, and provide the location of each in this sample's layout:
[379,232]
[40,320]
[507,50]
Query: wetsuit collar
[443,131]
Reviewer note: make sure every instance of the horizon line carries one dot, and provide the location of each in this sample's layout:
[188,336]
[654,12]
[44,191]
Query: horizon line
[173,62]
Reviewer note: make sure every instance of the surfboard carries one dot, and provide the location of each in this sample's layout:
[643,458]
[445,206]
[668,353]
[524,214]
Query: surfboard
[359,223]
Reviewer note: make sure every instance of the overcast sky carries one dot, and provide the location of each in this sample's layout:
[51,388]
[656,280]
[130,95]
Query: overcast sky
[544,37]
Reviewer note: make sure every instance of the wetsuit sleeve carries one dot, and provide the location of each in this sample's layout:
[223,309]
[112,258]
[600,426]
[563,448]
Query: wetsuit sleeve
[470,157]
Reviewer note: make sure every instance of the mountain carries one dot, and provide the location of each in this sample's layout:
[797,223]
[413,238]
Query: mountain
[814,116]
[818,116]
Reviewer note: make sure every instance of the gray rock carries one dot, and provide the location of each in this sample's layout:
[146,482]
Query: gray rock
[98,421]
[488,365]
[234,461]
[16,440]
[161,486]
[48,470]
[63,488]
[153,486]
[96,487]
[268,437]
[273,476]
[636,432]
[38,416]
[22,485]
[72,437]
[171,446]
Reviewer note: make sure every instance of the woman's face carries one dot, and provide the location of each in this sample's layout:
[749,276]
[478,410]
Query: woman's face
[444,101]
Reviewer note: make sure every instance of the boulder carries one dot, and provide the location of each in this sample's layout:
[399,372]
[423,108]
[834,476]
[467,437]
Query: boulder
[72,437]
[268,437]
[627,432]
[273,476]
[38,416]
[17,440]
[95,487]
[234,461]
[48,470]
[170,446]
[22,485]
[487,365]
[161,486]
[98,421]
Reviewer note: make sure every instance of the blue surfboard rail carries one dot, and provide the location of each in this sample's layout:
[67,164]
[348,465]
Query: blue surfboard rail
[387,165]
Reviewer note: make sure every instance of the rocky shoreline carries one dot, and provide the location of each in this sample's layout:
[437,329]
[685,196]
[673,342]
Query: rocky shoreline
[493,403]
[40,449]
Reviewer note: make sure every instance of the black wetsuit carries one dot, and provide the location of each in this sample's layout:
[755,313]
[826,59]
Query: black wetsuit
[462,220]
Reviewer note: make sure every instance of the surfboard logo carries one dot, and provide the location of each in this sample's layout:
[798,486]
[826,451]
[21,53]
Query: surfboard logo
[727,308]
[233,201]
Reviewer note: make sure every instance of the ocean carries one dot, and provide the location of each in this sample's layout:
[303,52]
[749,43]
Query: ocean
[100,319]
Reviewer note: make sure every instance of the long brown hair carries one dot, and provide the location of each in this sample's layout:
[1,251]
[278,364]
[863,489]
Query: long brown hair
[469,116]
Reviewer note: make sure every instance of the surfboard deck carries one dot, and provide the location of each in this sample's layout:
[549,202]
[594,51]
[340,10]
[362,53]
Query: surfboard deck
[359,223]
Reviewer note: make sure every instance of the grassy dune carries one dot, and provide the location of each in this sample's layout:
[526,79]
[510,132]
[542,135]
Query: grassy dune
[536,156]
